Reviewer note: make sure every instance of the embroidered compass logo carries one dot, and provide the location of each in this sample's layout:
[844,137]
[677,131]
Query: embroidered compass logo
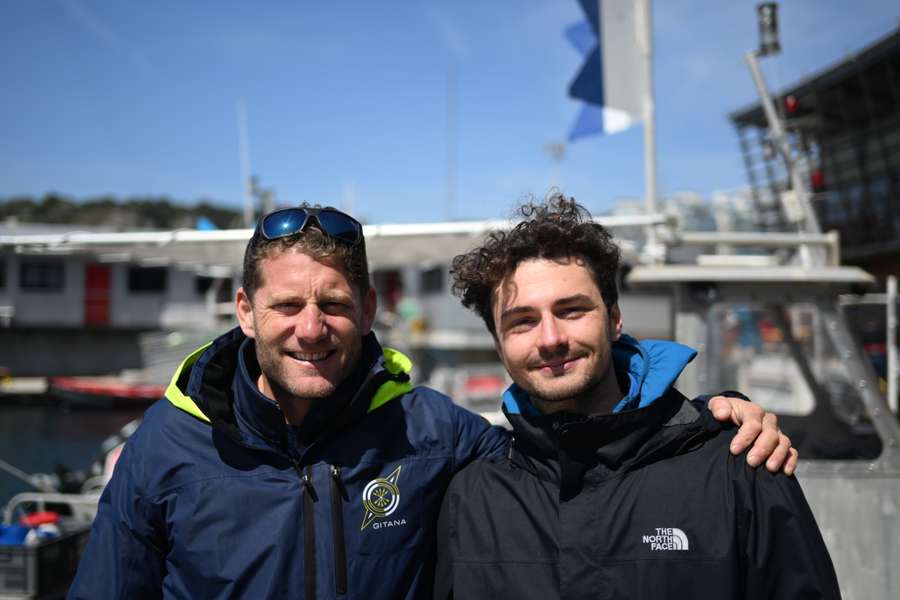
[380,497]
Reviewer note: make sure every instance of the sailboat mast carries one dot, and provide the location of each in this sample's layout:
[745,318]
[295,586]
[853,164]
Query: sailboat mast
[644,35]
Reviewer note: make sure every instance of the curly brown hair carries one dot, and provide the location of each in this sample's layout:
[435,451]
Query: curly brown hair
[559,227]
[313,242]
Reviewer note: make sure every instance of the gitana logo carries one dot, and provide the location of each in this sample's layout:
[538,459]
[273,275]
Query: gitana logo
[666,538]
[380,498]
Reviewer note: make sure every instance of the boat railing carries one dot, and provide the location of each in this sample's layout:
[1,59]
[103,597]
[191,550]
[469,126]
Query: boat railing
[94,485]
[82,507]
[829,241]
[7,312]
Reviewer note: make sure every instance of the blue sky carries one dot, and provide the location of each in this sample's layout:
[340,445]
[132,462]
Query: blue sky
[347,102]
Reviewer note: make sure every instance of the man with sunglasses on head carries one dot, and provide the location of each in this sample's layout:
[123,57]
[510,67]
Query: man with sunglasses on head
[291,457]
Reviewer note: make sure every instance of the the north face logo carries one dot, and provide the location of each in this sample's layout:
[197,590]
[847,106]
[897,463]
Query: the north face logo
[666,538]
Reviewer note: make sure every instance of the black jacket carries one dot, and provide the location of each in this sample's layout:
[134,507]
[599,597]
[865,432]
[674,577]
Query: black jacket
[645,503]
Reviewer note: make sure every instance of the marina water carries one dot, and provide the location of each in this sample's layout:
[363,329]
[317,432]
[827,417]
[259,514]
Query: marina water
[38,435]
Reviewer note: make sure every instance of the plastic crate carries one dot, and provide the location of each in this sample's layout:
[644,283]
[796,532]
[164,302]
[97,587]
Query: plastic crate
[42,571]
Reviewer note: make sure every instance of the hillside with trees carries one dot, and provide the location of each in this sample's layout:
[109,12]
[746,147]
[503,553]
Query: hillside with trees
[128,214]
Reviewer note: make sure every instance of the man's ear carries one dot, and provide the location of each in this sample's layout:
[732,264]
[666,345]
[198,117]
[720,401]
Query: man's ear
[243,307]
[369,308]
[615,323]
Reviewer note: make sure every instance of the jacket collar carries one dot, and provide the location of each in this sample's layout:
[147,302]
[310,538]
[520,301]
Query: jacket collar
[217,384]
[652,421]
[569,450]
[649,368]
[261,421]
[612,438]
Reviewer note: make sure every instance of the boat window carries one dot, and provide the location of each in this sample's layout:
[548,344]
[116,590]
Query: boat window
[225,291]
[147,280]
[41,275]
[434,280]
[202,283]
[2,274]
[389,285]
[786,362]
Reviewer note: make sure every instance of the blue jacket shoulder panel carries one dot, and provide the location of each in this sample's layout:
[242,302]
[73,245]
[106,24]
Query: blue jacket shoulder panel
[125,555]
[652,366]
[171,449]
[437,416]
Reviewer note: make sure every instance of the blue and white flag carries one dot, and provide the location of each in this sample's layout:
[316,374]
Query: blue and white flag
[611,81]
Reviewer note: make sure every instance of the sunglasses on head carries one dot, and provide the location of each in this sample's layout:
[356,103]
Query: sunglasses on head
[288,221]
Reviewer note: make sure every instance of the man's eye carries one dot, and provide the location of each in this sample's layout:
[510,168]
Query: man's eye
[333,308]
[572,311]
[521,325]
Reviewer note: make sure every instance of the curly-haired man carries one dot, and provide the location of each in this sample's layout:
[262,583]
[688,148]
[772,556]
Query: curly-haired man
[615,485]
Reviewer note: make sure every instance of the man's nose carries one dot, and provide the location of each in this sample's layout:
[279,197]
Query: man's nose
[552,335]
[310,324]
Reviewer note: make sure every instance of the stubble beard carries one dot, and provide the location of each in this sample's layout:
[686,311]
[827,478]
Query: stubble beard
[273,367]
[592,395]
[562,398]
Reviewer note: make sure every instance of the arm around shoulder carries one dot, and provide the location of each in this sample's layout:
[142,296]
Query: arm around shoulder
[476,438]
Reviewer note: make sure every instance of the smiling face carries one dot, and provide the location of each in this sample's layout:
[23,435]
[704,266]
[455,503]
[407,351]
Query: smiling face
[308,322]
[555,334]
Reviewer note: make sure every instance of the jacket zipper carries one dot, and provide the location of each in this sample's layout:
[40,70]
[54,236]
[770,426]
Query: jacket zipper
[337,521]
[309,530]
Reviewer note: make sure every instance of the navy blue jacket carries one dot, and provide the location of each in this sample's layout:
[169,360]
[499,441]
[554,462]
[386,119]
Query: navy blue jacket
[214,496]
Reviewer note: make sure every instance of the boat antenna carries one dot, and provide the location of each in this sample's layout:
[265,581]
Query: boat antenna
[769,45]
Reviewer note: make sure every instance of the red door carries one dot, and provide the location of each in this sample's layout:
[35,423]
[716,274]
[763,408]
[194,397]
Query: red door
[96,295]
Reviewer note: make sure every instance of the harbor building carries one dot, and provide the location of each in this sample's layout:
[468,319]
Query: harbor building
[843,123]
